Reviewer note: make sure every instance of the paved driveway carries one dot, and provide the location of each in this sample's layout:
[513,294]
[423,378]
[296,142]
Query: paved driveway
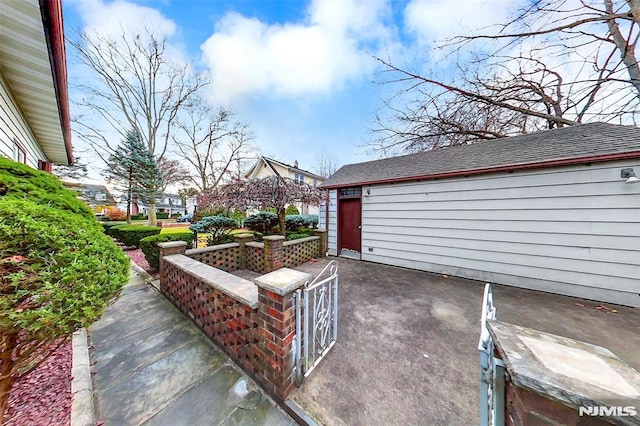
[407,353]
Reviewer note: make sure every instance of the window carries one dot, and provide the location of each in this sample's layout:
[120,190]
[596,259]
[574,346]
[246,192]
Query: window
[299,177]
[315,182]
[19,153]
[101,197]
[355,192]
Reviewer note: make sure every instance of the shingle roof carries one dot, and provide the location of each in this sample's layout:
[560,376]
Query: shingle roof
[90,193]
[592,142]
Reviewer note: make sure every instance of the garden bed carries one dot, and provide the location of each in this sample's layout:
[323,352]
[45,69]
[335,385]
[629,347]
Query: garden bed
[43,397]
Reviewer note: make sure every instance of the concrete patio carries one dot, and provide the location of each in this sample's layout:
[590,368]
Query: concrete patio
[407,343]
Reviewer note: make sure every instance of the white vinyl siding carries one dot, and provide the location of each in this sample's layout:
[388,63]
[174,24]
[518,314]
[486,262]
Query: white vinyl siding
[13,127]
[332,226]
[571,230]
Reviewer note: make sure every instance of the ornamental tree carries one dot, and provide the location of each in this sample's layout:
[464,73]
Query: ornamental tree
[215,226]
[58,271]
[262,193]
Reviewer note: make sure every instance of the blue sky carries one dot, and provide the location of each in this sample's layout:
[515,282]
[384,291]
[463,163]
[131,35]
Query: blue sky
[300,73]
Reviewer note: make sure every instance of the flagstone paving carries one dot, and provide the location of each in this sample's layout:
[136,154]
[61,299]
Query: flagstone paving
[152,366]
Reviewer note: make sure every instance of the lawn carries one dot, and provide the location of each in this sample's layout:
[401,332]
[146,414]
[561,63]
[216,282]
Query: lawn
[175,230]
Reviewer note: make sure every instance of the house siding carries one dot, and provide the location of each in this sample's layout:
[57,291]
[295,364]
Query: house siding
[570,230]
[13,126]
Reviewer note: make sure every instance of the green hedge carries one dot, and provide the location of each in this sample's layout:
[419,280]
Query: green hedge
[69,267]
[130,235]
[295,236]
[139,216]
[108,226]
[162,215]
[149,245]
[21,182]
[58,271]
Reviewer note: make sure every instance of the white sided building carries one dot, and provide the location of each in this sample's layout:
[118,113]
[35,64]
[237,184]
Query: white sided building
[556,211]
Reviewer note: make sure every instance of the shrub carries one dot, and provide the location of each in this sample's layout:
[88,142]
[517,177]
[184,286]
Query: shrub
[108,226]
[130,235]
[216,227]
[261,222]
[139,216]
[19,181]
[175,215]
[149,245]
[237,215]
[291,209]
[114,213]
[294,222]
[310,220]
[295,236]
[58,272]
[162,215]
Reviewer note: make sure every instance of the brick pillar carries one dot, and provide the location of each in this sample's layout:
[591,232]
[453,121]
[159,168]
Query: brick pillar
[273,252]
[322,245]
[242,240]
[172,247]
[277,328]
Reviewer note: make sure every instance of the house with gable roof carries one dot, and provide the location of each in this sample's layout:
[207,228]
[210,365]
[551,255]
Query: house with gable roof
[265,167]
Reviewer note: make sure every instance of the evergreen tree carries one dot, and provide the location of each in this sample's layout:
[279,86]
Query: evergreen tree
[133,167]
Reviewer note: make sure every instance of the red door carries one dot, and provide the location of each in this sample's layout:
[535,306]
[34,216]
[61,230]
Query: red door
[349,224]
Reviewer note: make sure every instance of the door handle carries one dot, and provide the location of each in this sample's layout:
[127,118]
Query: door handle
[359,226]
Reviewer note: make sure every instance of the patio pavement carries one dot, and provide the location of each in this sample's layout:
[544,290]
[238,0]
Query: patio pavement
[407,343]
[153,366]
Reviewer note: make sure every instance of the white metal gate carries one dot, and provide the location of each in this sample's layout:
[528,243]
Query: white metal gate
[316,320]
[492,370]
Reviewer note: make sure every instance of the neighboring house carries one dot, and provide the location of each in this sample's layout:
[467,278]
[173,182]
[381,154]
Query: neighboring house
[166,203]
[97,197]
[34,107]
[265,167]
[549,211]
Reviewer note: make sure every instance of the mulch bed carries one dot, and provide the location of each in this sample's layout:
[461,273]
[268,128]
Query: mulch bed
[43,397]
[138,257]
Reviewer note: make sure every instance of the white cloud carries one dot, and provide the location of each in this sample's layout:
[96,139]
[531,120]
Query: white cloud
[435,20]
[331,47]
[110,19]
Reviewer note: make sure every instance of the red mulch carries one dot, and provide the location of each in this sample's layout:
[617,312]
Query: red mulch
[43,397]
[138,257]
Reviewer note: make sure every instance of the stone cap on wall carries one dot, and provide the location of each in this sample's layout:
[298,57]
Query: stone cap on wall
[212,248]
[233,286]
[283,281]
[568,371]
[172,244]
[299,241]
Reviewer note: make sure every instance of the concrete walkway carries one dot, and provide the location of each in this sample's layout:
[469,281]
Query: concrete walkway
[153,366]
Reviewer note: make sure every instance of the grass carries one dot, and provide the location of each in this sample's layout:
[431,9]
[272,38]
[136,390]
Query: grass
[175,230]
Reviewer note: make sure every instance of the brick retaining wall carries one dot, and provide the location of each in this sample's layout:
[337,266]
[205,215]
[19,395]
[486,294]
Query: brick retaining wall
[296,252]
[253,323]
[223,256]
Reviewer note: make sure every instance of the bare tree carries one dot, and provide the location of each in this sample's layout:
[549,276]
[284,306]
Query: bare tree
[326,164]
[172,172]
[554,65]
[211,143]
[139,85]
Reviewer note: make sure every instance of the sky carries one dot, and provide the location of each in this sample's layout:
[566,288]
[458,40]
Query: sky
[302,74]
